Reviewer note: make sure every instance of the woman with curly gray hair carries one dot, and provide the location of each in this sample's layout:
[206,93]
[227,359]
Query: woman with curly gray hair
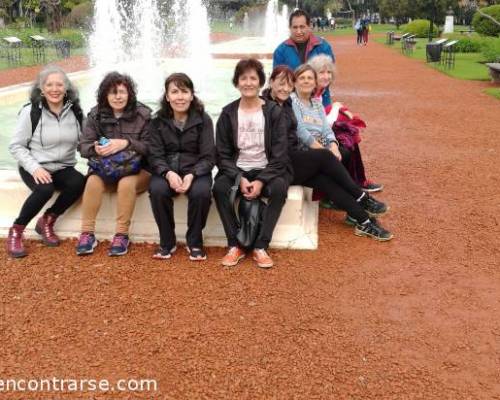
[44,145]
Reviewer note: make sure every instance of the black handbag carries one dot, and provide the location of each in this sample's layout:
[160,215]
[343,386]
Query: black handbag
[248,217]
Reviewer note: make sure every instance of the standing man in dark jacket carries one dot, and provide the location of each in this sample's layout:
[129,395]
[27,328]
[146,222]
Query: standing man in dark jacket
[251,141]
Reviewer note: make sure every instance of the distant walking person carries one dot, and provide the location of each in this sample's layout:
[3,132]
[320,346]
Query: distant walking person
[365,30]
[359,32]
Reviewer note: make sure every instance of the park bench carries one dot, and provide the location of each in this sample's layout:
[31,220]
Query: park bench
[408,44]
[400,37]
[38,45]
[494,69]
[449,54]
[12,46]
[389,37]
[433,50]
[466,31]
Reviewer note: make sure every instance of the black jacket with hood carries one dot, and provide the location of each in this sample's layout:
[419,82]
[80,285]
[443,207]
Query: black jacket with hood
[275,140]
[187,151]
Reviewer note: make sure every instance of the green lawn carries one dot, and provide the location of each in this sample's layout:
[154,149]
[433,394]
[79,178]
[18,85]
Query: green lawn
[495,92]
[467,65]
[28,60]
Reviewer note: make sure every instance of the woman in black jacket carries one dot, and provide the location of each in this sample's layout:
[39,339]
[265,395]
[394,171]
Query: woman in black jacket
[182,155]
[251,141]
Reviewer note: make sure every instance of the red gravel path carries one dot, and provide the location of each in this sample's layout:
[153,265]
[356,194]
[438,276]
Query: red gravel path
[415,318]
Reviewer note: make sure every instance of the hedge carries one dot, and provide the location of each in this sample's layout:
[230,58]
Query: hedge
[486,26]
[419,27]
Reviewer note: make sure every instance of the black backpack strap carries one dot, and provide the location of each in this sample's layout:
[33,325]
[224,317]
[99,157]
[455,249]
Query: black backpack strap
[77,110]
[35,115]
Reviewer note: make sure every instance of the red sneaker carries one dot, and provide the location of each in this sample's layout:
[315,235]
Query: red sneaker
[233,256]
[262,258]
[45,227]
[14,243]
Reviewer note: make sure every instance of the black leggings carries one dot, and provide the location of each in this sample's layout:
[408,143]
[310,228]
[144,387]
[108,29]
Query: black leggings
[68,180]
[320,169]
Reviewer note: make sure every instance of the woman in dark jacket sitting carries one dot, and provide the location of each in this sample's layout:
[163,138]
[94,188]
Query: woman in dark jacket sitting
[182,155]
[122,120]
[251,140]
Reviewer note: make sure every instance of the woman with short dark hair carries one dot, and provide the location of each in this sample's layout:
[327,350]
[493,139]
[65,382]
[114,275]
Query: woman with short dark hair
[44,145]
[182,156]
[116,124]
[251,143]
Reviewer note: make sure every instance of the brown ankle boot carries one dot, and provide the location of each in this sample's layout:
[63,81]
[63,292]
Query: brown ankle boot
[45,227]
[15,246]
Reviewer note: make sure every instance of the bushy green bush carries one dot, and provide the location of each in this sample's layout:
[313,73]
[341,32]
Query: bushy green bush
[491,50]
[467,44]
[486,26]
[419,27]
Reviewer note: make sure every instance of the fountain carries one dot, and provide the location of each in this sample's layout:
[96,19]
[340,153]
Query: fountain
[275,31]
[276,25]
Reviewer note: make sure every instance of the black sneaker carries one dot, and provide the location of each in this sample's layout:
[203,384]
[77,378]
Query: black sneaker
[369,186]
[196,253]
[350,221]
[372,206]
[374,230]
[164,254]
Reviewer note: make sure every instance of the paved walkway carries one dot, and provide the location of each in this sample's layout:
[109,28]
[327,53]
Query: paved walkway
[415,318]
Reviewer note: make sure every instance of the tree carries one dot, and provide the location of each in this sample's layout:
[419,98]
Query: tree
[398,9]
[53,12]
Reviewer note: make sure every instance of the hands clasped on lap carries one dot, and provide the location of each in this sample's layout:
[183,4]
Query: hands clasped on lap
[179,184]
[250,190]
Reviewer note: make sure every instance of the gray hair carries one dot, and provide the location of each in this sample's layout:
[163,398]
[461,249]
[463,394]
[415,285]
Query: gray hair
[36,90]
[321,62]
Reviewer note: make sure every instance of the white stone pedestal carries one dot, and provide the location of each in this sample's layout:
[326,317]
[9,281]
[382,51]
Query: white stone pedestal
[297,227]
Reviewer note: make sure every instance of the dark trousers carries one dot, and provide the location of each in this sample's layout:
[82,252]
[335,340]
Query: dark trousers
[354,164]
[320,169]
[68,181]
[199,198]
[275,191]
[359,38]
